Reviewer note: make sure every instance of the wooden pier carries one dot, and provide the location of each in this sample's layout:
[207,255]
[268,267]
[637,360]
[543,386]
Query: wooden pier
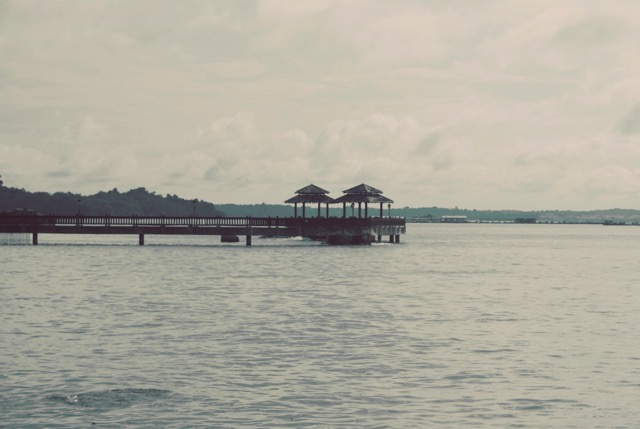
[333,230]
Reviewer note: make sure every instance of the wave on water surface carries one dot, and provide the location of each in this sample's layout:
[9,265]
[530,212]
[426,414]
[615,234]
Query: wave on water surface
[114,398]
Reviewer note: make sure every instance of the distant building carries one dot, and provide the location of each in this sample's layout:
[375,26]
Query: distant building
[525,220]
[453,219]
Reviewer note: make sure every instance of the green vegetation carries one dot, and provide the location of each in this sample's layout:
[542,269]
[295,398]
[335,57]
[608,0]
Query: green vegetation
[256,210]
[542,216]
[134,202]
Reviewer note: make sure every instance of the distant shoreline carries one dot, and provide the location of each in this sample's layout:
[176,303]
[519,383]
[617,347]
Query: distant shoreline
[143,202]
[510,222]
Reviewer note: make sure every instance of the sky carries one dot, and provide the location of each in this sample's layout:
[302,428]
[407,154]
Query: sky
[493,104]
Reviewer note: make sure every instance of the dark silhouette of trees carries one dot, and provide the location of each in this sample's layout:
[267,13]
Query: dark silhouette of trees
[134,202]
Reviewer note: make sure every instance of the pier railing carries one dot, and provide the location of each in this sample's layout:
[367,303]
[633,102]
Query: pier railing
[355,229]
[264,222]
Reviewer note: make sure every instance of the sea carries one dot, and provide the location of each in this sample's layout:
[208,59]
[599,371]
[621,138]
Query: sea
[458,325]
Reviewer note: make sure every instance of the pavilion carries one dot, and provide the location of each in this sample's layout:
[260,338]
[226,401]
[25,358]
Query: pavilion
[362,194]
[310,194]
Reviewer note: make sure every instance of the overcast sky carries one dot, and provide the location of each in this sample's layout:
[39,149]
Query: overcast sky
[477,104]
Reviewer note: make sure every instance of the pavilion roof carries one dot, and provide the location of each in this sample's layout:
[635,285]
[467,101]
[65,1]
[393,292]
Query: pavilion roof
[363,189]
[310,194]
[310,198]
[311,189]
[362,198]
[363,194]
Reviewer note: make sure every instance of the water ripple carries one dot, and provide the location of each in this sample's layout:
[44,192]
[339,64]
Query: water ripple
[474,325]
[110,399]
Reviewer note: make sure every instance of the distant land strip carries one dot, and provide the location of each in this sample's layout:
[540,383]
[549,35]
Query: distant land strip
[142,202]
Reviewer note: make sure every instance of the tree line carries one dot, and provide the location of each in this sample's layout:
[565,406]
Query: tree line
[138,201]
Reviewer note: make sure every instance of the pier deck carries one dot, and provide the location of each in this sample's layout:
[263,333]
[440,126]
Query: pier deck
[334,230]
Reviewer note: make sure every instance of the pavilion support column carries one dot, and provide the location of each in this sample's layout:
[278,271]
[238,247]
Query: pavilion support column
[381,212]
[304,210]
[359,210]
[319,209]
[327,216]
[248,238]
[34,238]
[295,210]
[344,210]
[141,239]
[366,209]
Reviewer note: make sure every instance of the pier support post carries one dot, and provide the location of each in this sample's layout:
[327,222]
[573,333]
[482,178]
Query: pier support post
[379,238]
[391,238]
[397,238]
[34,238]
[248,241]
[141,239]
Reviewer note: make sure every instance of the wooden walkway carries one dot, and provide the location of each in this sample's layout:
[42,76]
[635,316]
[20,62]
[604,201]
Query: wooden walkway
[334,230]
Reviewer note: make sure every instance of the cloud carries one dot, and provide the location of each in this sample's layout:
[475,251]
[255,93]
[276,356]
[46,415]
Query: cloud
[630,124]
[437,103]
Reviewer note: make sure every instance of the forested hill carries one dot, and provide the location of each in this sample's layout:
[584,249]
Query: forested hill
[134,202]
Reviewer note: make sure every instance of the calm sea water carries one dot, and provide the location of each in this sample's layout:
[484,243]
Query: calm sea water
[532,326]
